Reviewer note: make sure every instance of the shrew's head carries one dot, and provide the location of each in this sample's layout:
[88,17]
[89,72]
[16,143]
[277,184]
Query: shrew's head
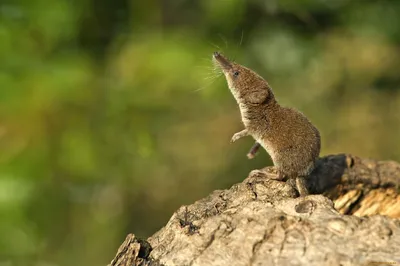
[245,84]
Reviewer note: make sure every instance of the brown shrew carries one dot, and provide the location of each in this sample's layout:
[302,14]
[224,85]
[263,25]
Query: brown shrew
[291,140]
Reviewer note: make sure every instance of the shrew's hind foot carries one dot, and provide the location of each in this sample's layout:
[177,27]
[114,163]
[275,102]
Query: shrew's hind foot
[270,173]
[301,186]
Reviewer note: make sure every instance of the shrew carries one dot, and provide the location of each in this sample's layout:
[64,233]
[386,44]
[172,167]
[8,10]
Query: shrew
[291,140]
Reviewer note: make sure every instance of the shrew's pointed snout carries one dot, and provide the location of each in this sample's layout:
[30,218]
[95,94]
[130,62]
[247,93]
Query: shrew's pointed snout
[222,61]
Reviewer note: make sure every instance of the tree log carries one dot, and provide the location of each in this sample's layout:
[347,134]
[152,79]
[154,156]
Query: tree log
[352,218]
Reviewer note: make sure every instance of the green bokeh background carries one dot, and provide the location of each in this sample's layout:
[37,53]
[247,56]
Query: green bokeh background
[111,116]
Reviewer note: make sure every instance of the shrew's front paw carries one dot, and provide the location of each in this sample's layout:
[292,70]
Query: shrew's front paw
[235,137]
[239,135]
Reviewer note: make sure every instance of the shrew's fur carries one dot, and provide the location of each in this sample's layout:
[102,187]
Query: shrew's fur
[291,140]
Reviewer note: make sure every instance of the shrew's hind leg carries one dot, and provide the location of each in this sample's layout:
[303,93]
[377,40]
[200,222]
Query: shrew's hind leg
[301,186]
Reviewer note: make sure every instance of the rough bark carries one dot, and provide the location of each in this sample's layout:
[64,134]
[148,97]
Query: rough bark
[352,219]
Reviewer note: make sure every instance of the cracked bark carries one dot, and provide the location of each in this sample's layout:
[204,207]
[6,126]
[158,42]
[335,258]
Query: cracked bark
[352,219]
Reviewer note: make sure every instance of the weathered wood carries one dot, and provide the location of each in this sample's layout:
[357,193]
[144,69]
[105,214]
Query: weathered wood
[134,251]
[261,222]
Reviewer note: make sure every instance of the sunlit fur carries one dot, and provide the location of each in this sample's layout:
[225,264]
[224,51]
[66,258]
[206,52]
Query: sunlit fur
[286,134]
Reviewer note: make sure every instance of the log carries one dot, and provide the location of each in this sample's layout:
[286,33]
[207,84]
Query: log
[352,218]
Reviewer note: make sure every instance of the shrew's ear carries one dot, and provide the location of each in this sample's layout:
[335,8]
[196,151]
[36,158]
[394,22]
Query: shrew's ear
[258,96]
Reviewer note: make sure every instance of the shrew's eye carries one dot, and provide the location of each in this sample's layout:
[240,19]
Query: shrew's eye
[236,73]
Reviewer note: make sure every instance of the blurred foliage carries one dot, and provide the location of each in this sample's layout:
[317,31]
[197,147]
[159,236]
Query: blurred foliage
[111,116]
